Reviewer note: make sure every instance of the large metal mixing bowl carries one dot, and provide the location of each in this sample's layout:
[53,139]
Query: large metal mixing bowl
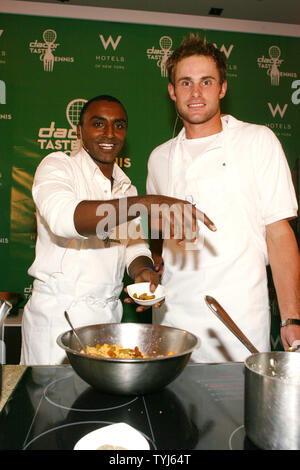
[130,376]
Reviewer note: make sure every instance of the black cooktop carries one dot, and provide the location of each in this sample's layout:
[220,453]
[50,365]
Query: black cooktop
[52,408]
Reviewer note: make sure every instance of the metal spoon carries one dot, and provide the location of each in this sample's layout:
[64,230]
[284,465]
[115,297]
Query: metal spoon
[74,331]
[216,308]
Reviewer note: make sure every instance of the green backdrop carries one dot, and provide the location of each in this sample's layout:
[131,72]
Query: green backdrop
[49,65]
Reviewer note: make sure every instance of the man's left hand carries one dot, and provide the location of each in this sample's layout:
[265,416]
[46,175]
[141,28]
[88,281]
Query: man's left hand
[146,275]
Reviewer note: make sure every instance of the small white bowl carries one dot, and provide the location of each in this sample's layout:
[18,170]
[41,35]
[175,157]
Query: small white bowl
[119,436]
[144,288]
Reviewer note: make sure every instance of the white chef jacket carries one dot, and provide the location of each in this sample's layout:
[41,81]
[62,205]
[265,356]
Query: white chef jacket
[72,272]
[243,183]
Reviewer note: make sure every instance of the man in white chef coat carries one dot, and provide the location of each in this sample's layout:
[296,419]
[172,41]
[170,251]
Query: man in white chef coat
[87,234]
[238,174]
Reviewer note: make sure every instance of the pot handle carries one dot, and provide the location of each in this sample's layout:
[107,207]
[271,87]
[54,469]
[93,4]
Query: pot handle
[216,308]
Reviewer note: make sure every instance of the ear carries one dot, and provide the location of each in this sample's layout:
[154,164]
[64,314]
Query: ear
[78,131]
[171,90]
[223,89]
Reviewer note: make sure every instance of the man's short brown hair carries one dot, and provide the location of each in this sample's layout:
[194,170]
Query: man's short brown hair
[195,46]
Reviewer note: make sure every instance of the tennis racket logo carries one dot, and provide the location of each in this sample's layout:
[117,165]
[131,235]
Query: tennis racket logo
[161,55]
[274,53]
[271,64]
[165,43]
[73,111]
[49,36]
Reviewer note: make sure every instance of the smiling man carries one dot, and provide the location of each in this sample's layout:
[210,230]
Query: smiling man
[88,232]
[197,90]
[74,269]
[102,129]
[238,174]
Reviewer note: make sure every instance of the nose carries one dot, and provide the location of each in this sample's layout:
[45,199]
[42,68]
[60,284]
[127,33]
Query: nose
[109,130]
[196,90]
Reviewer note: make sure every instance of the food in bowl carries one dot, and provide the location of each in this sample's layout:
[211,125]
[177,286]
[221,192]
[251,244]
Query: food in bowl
[118,352]
[114,351]
[143,296]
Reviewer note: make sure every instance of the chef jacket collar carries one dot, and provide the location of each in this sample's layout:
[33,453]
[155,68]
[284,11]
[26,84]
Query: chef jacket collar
[175,154]
[90,168]
[227,121]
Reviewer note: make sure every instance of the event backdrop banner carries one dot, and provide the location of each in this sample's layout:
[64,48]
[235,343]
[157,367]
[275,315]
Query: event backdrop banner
[50,66]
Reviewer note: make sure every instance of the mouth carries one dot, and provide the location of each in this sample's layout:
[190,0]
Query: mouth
[105,146]
[196,105]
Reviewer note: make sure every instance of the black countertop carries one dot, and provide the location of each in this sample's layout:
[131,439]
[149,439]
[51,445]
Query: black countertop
[203,409]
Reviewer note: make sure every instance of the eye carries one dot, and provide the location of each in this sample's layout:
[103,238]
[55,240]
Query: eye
[120,125]
[207,82]
[98,123]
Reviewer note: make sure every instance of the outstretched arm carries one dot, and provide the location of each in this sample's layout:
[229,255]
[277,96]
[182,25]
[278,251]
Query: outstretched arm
[285,265]
[173,215]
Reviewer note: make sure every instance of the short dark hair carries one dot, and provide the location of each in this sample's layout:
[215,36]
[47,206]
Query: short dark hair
[98,98]
[195,46]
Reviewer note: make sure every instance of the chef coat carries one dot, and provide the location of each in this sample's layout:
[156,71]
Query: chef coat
[242,182]
[72,272]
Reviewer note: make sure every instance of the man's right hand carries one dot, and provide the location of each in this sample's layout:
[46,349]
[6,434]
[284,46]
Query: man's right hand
[176,219]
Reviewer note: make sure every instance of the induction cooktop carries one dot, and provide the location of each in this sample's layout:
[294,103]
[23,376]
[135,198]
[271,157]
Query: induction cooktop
[52,408]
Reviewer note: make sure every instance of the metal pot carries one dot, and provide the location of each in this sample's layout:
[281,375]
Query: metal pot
[130,376]
[272,400]
[272,392]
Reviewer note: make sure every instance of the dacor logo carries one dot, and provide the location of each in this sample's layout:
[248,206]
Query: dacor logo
[2,92]
[272,63]
[54,138]
[28,291]
[277,109]
[109,41]
[47,49]
[161,55]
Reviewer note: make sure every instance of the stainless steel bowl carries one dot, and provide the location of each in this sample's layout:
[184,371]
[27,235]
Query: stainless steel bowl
[130,376]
